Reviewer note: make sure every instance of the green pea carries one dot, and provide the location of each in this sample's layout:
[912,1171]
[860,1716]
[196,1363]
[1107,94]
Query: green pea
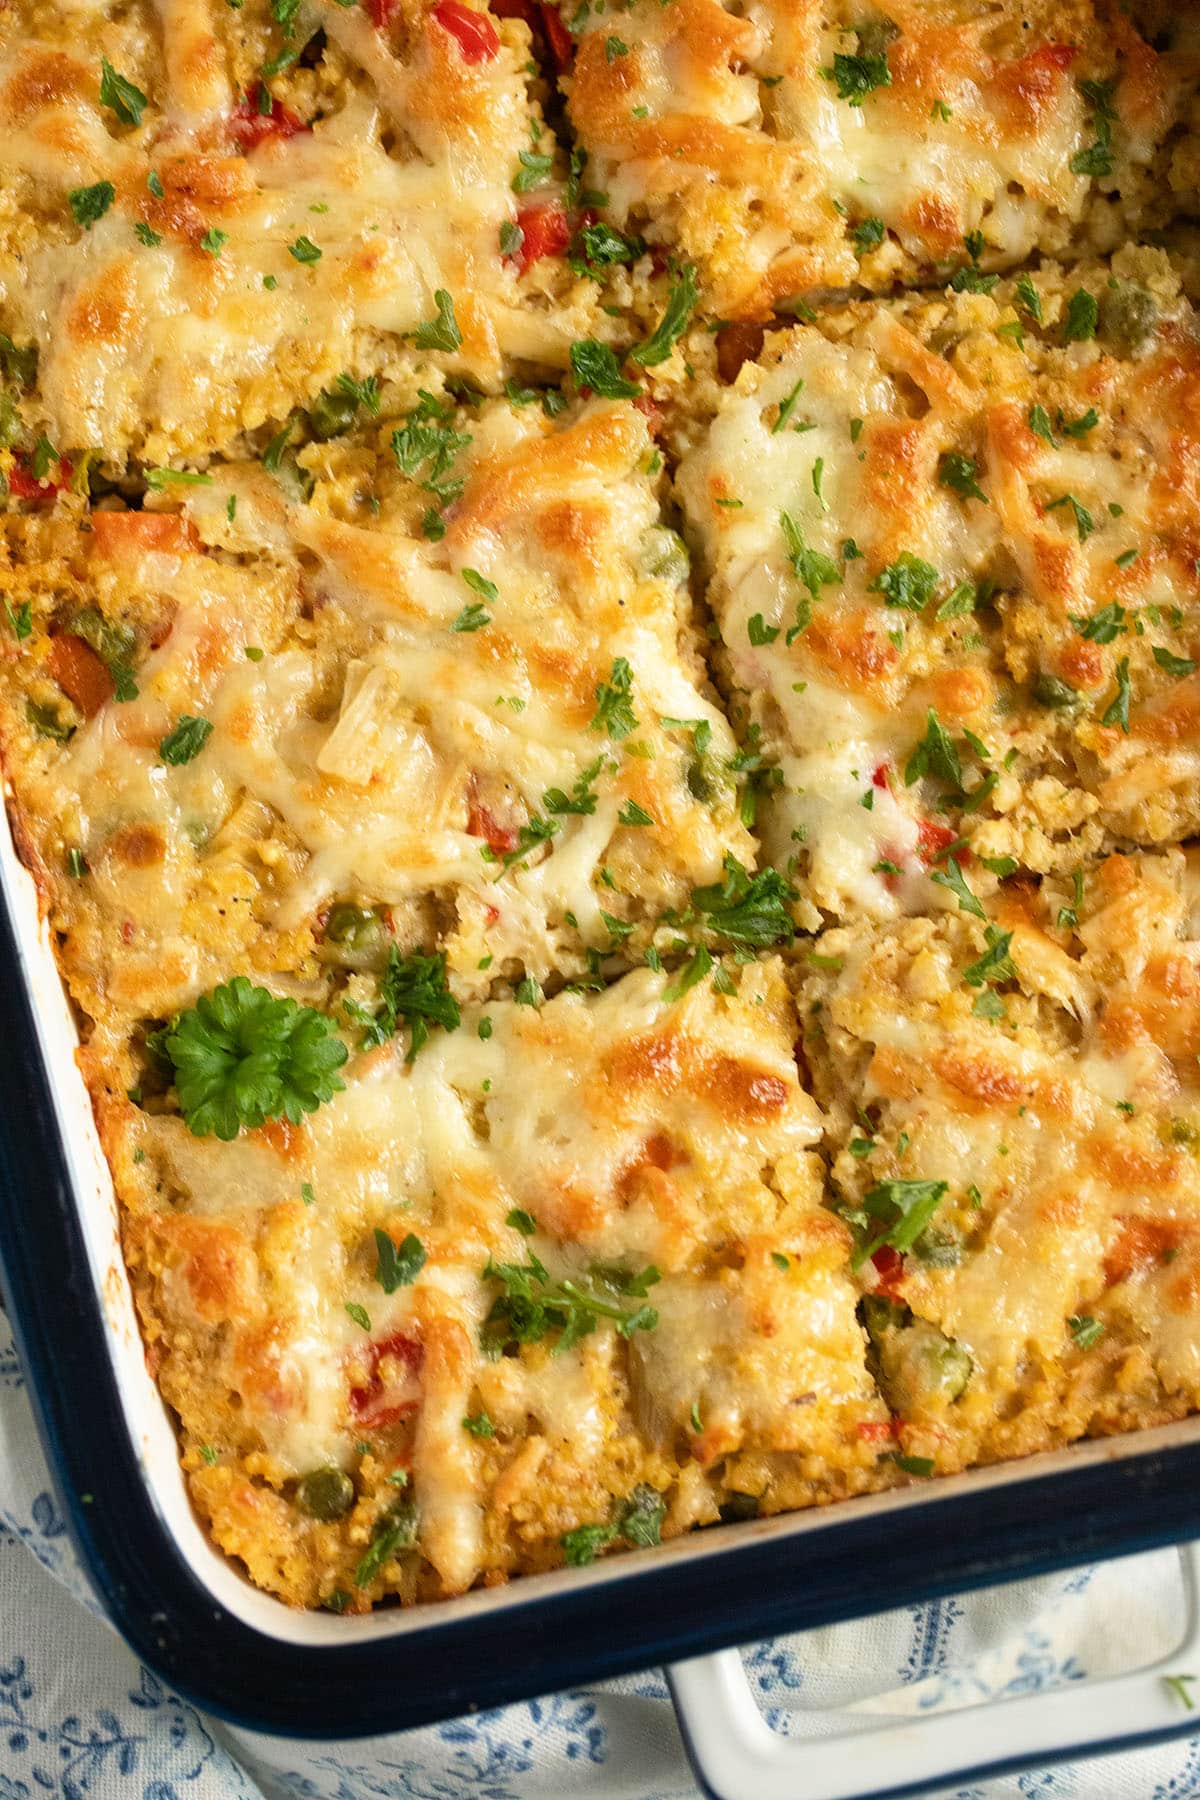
[1128,315]
[325,1494]
[356,932]
[946,1365]
[665,553]
[331,414]
[47,721]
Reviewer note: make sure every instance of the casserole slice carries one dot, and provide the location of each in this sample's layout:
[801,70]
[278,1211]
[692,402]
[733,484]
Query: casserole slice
[497,742]
[952,550]
[213,213]
[1014,1112]
[785,149]
[494,1304]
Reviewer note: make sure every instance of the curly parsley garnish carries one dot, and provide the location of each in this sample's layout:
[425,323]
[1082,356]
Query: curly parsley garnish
[243,1055]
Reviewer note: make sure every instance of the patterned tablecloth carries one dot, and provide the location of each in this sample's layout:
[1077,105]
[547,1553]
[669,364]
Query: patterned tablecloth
[81,1718]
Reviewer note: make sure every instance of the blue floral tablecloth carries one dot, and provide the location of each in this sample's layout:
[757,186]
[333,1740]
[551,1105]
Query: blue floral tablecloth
[82,1719]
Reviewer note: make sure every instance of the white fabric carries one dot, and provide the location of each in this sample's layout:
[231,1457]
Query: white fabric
[82,1719]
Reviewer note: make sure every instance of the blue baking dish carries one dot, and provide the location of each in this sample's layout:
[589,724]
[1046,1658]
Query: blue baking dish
[248,1658]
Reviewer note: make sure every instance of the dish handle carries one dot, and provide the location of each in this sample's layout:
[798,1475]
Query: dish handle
[736,1755]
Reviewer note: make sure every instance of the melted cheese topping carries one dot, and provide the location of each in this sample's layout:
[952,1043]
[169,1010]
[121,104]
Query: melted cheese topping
[278,256]
[558,1112]
[863,586]
[726,134]
[392,747]
[1062,1258]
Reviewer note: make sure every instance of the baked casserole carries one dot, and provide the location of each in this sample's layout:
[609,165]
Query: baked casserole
[600,680]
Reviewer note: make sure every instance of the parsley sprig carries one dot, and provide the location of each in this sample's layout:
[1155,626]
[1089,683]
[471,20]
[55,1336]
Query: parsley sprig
[638,1520]
[533,1304]
[243,1055]
[745,908]
[413,991]
[902,1210]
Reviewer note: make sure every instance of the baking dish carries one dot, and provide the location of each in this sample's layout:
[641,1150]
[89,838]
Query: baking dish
[254,1661]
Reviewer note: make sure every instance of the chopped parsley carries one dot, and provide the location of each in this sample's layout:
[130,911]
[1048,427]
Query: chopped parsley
[1179,666]
[214,241]
[681,302]
[858,76]
[958,473]
[595,366]
[954,879]
[867,235]
[363,393]
[185,742]
[91,203]
[934,755]
[902,1211]
[412,990]
[533,171]
[810,567]
[441,333]
[1084,522]
[914,1465]
[1029,299]
[126,100]
[960,601]
[698,965]
[397,1266]
[745,908]
[639,1521]
[479,1425]
[582,798]
[1117,711]
[614,710]
[995,964]
[1082,314]
[1077,428]
[396,1530]
[1097,158]
[907,583]
[532,1305]
[1086,1331]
